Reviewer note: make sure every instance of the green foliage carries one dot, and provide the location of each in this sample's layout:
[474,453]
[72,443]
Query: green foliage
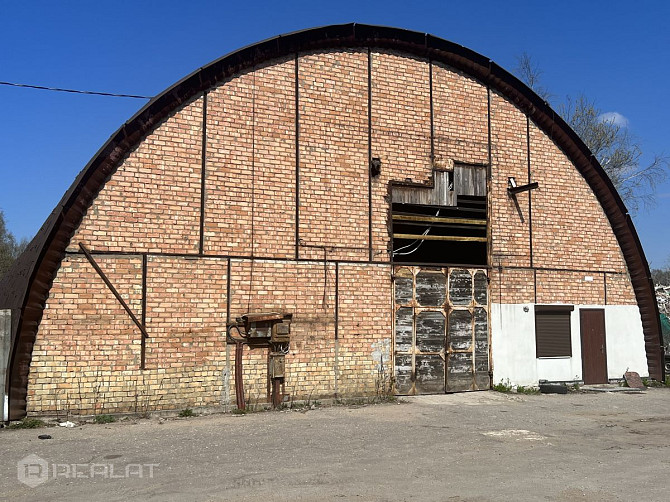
[186,412]
[503,386]
[28,423]
[104,419]
[10,249]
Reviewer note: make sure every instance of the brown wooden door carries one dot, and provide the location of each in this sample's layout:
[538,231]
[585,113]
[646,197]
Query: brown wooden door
[594,350]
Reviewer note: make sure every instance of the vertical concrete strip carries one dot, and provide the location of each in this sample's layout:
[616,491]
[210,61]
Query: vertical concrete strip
[5,336]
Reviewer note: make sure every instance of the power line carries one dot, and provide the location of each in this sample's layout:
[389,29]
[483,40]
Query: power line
[75,91]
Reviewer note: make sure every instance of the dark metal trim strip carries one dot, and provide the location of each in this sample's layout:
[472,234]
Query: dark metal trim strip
[111,287]
[203,174]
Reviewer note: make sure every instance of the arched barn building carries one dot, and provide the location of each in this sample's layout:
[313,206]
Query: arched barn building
[430,224]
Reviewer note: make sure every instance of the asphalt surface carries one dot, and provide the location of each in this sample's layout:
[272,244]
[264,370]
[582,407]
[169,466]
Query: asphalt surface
[475,447]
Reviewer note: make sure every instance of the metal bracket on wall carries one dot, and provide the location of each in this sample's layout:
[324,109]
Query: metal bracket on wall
[111,287]
[513,188]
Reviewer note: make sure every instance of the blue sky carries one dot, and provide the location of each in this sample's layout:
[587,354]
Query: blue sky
[616,52]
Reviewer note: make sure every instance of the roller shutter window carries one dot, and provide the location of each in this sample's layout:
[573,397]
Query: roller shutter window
[552,330]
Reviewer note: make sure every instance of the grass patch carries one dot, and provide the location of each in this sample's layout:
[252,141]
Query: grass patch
[104,419]
[503,386]
[186,412]
[238,411]
[28,423]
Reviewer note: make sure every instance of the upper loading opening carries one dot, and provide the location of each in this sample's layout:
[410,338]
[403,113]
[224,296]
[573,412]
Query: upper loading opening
[444,222]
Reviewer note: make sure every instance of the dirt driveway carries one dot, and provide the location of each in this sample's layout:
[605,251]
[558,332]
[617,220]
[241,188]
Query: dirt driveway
[476,446]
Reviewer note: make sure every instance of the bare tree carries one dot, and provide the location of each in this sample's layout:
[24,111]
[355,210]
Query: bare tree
[608,138]
[10,249]
[530,73]
[617,151]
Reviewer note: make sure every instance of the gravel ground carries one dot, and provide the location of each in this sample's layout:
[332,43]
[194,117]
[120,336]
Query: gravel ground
[474,446]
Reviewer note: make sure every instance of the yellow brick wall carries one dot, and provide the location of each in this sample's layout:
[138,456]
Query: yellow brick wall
[87,353]
[152,202]
[333,90]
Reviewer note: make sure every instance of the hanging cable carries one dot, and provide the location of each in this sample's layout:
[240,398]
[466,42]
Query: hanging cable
[397,251]
[75,91]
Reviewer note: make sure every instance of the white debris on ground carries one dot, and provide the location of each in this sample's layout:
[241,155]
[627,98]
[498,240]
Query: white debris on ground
[518,434]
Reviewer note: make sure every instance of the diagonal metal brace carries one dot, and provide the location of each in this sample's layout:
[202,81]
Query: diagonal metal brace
[111,287]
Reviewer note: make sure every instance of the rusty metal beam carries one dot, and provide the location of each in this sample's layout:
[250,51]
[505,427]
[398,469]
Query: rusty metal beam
[419,237]
[438,219]
[111,287]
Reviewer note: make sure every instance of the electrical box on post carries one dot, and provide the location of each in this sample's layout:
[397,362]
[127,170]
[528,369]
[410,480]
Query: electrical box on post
[267,327]
[270,330]
[277,365]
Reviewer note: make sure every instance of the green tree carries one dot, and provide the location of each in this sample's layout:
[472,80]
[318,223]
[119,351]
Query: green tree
[10,249]
[608,138]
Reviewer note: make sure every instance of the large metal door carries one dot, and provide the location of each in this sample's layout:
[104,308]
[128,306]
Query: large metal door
[594,351]
[441,330]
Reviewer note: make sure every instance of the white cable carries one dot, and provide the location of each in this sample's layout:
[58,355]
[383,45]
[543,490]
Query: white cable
[397,253]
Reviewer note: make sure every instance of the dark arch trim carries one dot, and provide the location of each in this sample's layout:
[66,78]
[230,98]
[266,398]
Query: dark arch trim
[26,287]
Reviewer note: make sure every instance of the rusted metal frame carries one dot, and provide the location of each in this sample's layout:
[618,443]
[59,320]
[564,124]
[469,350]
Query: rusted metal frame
[489,194]
[111,287]
[241,257]
[239,381]
[337,299]
[331,249]
[239,354]
[530,193]
[228,301]
[471,309]
[371,252]
[297,160]
[555,269]
[439,219]
[415,271]
[428,237]
[489,229]
[203,174]
[450,226]
[228,288]
[337,328]
[438,265]
[143,344]
[432,113]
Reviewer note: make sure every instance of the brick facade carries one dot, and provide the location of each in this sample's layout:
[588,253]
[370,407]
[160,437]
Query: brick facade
[87,353]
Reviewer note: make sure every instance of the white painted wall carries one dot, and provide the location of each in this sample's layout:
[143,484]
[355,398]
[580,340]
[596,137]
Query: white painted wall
[513,345]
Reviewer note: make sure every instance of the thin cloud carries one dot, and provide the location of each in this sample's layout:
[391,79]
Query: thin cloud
[613,117]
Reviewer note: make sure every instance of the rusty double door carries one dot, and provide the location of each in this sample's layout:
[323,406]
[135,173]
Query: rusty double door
[441,330]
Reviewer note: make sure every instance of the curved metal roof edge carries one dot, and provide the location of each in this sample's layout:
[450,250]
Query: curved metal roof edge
[29,281]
